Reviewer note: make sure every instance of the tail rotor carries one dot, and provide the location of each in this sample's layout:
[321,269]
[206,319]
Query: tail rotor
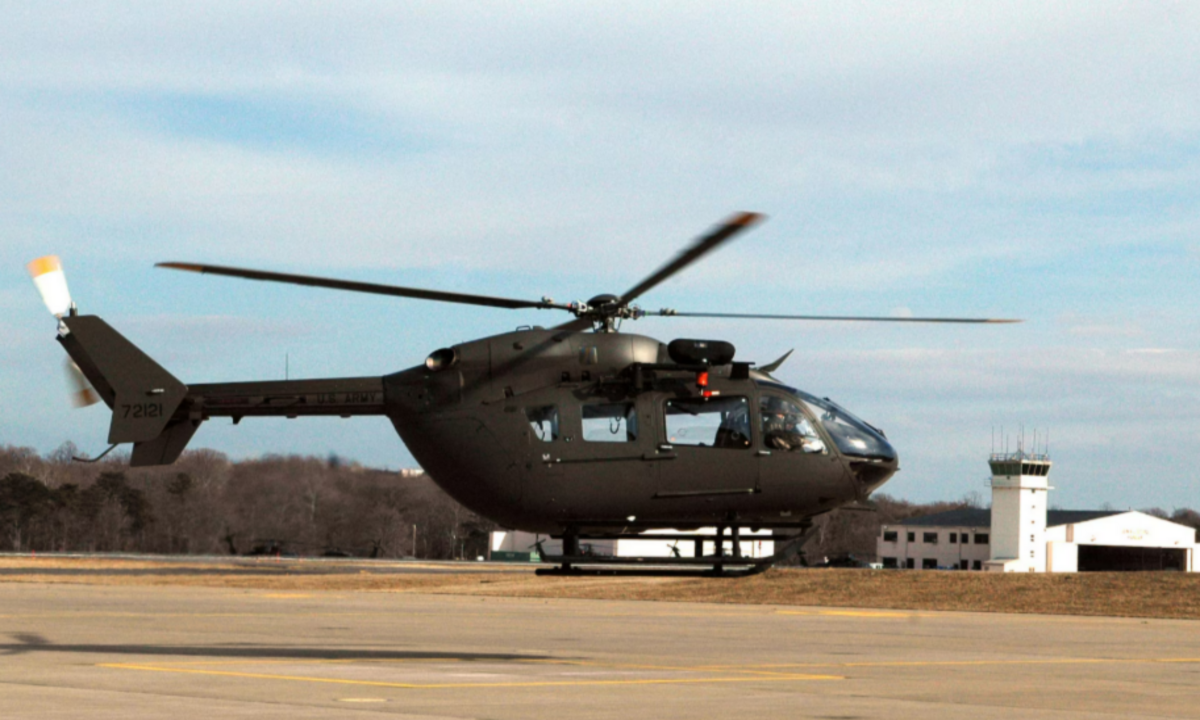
[47,274]
[82,392]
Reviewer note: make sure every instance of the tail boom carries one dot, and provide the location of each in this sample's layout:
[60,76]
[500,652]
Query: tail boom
[342,397]
[159,414]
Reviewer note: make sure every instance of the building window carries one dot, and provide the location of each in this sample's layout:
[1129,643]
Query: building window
[953,538]
[890,563]
[930,538]
[912,537]
[908,563]
[890,536]
[964,564]
[929,564]
[981,538]
[977,565]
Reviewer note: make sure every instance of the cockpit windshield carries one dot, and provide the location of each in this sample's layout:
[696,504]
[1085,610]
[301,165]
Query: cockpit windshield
[851,435]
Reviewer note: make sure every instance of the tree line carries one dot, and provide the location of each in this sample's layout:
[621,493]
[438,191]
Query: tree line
[208,504]
[289,504]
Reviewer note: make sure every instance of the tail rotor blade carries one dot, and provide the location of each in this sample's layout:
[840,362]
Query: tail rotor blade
[82,393]
[48,276]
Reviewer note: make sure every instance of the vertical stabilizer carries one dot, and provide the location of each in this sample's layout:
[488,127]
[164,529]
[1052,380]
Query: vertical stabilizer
[143,396]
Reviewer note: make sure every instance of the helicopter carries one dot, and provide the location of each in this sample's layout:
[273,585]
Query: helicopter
[577,431]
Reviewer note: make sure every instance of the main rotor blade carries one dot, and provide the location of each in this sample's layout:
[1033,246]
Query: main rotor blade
[363,287]
[700,248]
[840,318]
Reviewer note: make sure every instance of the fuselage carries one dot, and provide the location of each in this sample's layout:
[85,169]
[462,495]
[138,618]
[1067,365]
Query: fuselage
[542,430]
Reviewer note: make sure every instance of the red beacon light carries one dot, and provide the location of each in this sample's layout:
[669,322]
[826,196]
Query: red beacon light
[705,353]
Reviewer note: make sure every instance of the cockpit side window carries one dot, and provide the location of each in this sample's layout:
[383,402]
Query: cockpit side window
[719,422]
[610,422]
[543,421]
[786,427]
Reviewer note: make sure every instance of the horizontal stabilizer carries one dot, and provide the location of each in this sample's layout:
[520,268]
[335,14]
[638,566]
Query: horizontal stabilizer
[167,447]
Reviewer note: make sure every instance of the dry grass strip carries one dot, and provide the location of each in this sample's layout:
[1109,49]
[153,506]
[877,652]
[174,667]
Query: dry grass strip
[1150,594]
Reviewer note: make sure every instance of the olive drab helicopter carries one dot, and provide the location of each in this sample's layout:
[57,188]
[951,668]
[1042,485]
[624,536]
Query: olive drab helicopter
[576,431]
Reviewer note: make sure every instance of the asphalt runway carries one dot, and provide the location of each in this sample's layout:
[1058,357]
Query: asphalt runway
[141,652]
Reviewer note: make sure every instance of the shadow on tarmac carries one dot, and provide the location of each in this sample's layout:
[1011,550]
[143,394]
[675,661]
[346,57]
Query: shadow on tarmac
[35,643]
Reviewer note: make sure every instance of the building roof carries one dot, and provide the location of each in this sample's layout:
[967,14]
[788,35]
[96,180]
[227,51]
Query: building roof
[962,517]
[982,517]
[1068,517]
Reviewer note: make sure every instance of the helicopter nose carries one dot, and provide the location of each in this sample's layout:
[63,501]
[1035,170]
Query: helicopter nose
[872,473]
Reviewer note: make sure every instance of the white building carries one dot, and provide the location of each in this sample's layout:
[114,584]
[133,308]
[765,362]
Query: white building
[520,545]
[1020,533]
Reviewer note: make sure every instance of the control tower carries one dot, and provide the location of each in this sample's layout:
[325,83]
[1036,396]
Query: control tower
[1020,486]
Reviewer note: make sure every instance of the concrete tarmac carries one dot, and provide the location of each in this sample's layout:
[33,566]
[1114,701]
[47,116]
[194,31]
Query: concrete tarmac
[178,652]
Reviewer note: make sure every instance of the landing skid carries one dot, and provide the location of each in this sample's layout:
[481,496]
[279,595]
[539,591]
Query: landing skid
[720,565]
[569,570]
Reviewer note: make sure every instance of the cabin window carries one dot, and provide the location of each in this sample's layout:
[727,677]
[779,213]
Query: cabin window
[720,422]
[543,420]
[610,422]
[786,427]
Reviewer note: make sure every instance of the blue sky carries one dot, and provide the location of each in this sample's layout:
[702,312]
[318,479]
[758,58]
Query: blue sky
[1006,159]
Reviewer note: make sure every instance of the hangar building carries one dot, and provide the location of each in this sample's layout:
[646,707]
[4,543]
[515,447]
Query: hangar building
[1020,534]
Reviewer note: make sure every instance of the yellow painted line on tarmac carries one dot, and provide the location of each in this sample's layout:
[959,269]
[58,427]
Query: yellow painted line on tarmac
[954,663]
[744,669]
[775,672]
[320,661]
[855,613]
[793,677]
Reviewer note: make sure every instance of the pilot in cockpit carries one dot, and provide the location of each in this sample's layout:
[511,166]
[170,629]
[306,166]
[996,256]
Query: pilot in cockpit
[786,428]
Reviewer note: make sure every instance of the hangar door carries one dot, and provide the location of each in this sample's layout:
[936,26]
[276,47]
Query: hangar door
[1100,558]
